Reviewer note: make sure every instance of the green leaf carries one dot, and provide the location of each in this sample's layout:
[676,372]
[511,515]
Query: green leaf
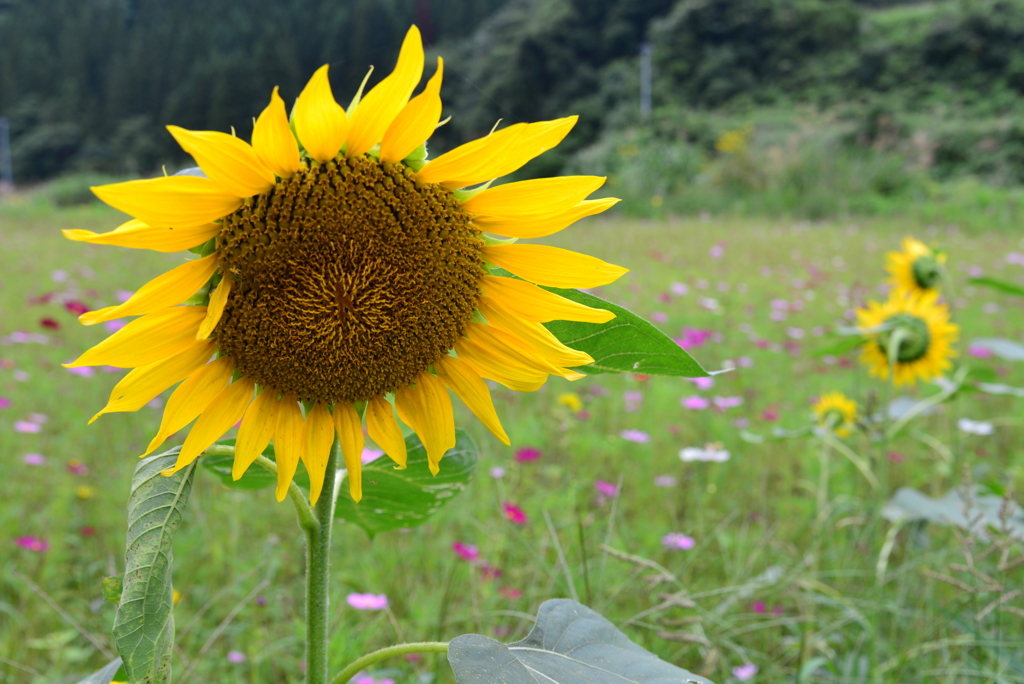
[394,499]
[144,623]
[625,344]
[254,477]
[104,675]
[839,346]
[1001,285]
[569,644]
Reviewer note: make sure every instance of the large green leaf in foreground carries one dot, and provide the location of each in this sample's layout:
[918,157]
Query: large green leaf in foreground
[394,499]
[625,344]
[569,644]
[144,623]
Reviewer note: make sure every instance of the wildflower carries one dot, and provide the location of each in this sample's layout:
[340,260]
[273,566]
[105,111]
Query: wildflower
[236,657]
[711,452]
[915,269]
[76,467]
[27,427]
[744,672]
[979,352]
[84,492]
[677,541]
[727,402]
[745,362]
[5,403]
[695,403]
[679,289]
[261,600]
[759,607]
[37,418]
[926,337]
[717,251]
[488,572]
[114,326]
[497,472]
[693,338]
[571,400]
[367,601]
[836,412]
[896,457]
[770,414]
[704,383]
[59,275]
[76,307]
[34,544]
[83,372]
[49,323]
[514,514]
[467,552]
[605,491]
[33,459]
[659,317]
[975,427]
[362,303]
[175,596]
[635,436]
[368,455]
[665,481]
[634,401]
[510,593]
[527,455]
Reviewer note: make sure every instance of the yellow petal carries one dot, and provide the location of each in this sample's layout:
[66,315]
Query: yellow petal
[289,443]
[273,140]
[381,105]
[427,409]
[541,225]
[167,290]
[511,347]
[175,201]
[319,440]
[495,155]
[495,355]
[138,388]
[553,266]
[350,435]
[460,378]
[192,397]
[255,432]
[415,123]
[531,303]
[138,235]
[320,122]
[218,300]
[228,161]
[216,419]
[538,196]
[534,335]
[145,340]
[383,429]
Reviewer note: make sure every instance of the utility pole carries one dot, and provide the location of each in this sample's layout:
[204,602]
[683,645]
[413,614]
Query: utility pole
[645,82]
[6,173]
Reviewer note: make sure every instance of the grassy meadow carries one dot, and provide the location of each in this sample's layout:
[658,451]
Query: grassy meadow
[804,584]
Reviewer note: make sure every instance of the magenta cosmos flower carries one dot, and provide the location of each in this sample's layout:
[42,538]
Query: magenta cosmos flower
[635,436]
[527,454]
[677,541]
[515,514]
[367,601]
[467,552]
[36,544]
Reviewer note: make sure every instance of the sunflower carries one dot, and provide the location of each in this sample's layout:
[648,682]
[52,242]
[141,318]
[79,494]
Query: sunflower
[342,277]
[837,412]
[917,268]
[925,350]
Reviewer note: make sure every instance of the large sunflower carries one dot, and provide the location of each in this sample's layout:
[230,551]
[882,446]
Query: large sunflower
[836,412]
[342,276]
[924,352]
[916,268]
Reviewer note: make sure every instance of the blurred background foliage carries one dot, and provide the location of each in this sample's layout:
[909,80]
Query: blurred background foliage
[849,106]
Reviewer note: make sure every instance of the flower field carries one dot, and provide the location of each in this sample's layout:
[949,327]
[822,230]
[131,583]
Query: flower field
[705,517]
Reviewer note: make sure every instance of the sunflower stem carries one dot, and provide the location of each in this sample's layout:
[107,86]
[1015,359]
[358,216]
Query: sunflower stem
[318,576]
[356,666]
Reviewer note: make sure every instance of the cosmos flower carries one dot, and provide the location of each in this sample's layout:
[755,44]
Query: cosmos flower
[709,453]
[744,672]
[527,454]
[635,436]
[367,601]
[467,552]
[343,276]
[34,544]
[695,402]
[677,541]
[975,427]
[514,513]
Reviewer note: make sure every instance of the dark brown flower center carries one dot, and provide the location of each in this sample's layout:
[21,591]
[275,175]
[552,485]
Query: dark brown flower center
[349,280]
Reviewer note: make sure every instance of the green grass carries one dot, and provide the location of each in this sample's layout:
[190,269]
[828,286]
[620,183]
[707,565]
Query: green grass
[749,515]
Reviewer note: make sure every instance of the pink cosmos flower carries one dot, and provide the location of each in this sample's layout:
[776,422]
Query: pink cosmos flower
[115,325]
[510,593]
[527,454]
[497,472]
[693,338]
[514,513]
[34,544]
[896,457]
[606,488]
[27,427]
[123,295]
[979,352]
[679,289]
[488,572]
[467,552]
[236,657]
[695,403]
[717,251]
[76,467]
[367,601]
[111,369]
[770,414]
[659,317]
[87,531]
[370,455]
[635,436]
[33,459]
[744,672]
[155,403]
[677,541]
[82,371]
[727,402]
[702,383]
[5,403]
[759,607]
[634,401]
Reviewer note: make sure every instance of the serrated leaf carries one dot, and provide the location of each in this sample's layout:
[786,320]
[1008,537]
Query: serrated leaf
[104,675]
[569,644]
[254,477]
[625,344]
[393,499]
[144,623]
[1008,350]
[1001,285]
